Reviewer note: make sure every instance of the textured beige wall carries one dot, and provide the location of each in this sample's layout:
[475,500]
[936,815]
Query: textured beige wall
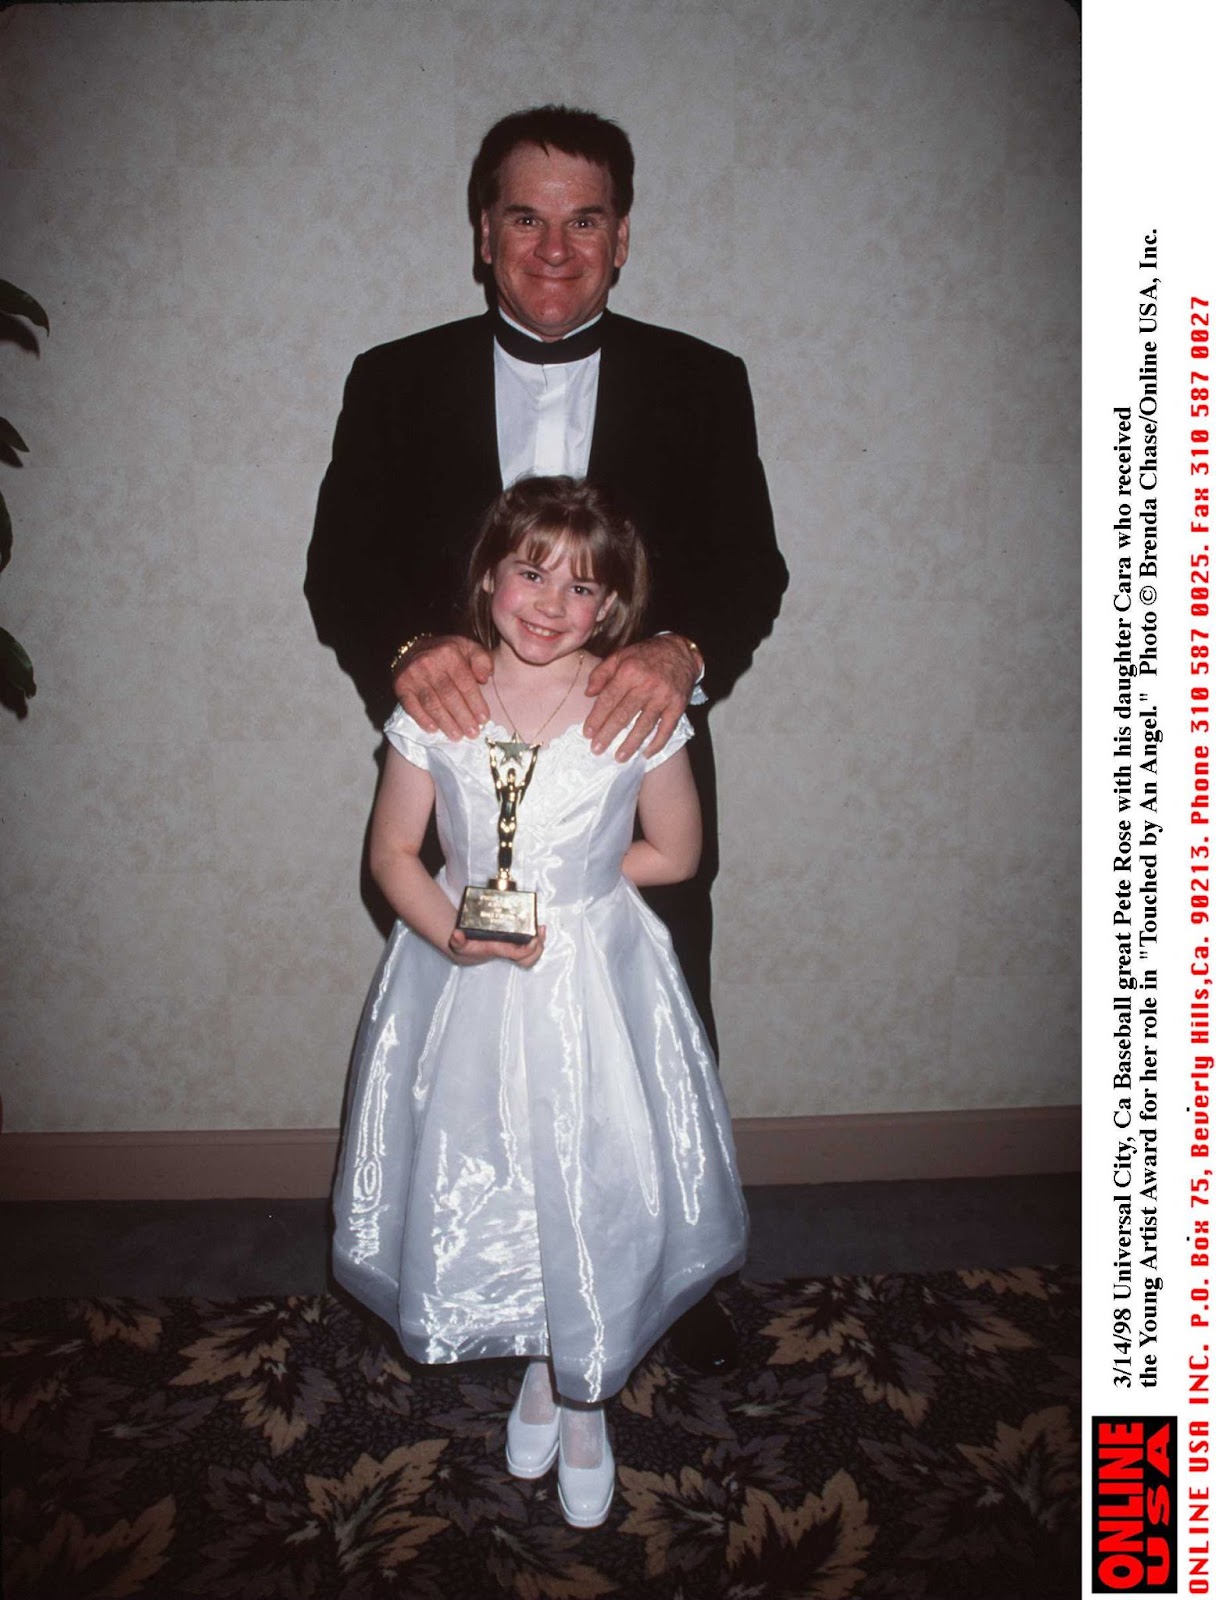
[876,205]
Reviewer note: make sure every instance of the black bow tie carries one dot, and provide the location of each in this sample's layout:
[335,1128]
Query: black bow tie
[542,353]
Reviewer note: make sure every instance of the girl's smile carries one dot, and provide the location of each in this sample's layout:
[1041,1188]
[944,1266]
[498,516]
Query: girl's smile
[544,611]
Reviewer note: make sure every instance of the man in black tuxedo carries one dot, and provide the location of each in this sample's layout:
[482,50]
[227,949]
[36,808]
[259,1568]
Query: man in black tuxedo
[549,381]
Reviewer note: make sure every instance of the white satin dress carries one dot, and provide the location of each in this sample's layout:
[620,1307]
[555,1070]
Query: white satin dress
[537,1162]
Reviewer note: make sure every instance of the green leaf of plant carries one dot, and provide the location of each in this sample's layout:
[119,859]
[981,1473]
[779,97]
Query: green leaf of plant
[15,666]
[6,535]
[10,436]
[19,304]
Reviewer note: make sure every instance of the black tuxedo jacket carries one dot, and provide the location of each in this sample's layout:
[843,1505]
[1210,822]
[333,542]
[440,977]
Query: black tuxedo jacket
[415,464]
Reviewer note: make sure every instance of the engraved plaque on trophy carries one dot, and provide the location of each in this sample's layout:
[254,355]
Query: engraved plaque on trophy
[500,910]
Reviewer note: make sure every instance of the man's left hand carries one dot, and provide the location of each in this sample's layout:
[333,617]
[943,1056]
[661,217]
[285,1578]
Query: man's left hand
[650,681]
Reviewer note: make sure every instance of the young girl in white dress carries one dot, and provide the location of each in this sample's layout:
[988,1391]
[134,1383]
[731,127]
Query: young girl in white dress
[537,1158]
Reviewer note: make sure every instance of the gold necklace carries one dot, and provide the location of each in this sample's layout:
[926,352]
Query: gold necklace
[535,739]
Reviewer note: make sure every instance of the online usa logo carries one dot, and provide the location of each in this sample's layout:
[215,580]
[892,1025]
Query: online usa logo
[1134,1509]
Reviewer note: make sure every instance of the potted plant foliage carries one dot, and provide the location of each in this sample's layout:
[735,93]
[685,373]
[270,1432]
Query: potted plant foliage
[16,669]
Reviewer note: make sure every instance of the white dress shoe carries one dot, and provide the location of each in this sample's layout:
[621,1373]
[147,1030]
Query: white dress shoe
[585,1493]
[531,1446]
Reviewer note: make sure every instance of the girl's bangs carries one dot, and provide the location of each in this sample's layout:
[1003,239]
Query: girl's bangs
[542,544]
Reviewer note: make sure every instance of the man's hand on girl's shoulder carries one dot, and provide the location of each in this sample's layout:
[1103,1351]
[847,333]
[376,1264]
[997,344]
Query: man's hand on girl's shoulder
[438,681]
[650,681]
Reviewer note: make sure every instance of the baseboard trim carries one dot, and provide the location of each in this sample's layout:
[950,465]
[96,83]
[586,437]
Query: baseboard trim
[297,1163]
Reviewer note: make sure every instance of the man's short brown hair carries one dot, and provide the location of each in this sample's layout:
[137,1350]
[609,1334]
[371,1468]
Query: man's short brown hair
[564,128]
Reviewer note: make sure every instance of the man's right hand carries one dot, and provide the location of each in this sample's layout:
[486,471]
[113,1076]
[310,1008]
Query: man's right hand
[439,684]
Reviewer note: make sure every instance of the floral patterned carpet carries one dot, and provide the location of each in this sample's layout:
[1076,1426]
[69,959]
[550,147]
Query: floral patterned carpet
[910,1437]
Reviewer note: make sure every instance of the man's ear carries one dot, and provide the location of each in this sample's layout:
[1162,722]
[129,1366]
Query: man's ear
[622,244]
[484,239]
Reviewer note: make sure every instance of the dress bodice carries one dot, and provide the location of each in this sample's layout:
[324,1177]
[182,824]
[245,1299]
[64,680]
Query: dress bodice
[575,819]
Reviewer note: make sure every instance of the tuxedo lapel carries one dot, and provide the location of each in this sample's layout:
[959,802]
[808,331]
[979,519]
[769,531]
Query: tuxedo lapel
[614,453]
[467,433]
[635,412]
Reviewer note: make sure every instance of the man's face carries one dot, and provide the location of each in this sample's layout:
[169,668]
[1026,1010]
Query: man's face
[553,239]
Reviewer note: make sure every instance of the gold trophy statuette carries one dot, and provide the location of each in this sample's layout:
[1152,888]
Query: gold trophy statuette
[500,910]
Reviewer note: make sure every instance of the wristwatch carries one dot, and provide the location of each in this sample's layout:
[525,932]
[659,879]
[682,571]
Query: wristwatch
[403,650]
[698,655]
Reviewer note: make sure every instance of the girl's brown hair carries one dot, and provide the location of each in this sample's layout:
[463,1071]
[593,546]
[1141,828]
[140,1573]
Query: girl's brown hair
[537,515]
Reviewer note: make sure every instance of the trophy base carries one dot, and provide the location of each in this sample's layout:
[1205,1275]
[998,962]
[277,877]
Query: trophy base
[507,914]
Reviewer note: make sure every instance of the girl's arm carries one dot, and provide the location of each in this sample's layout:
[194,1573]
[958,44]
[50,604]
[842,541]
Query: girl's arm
[403,808]
[669,850]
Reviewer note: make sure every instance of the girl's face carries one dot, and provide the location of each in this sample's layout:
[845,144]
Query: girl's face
[543,610]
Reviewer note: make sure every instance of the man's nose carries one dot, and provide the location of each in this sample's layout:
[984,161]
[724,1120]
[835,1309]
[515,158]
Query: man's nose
[552,245]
